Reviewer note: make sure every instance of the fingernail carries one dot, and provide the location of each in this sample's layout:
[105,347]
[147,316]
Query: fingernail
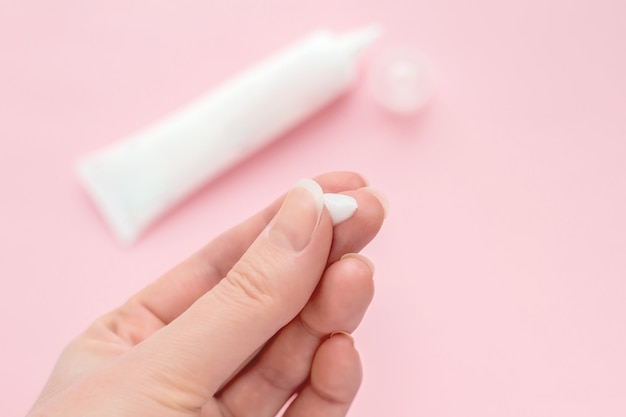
[298,217]
[340,207]
[381,197]
[365,180]
[361,258]
[342,333]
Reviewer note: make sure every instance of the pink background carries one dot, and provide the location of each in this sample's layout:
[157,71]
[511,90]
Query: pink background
[501,269]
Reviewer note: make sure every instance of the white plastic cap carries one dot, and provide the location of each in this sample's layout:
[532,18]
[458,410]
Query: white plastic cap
[402,81]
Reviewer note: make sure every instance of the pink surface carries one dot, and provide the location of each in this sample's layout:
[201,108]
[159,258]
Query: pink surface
[501,269]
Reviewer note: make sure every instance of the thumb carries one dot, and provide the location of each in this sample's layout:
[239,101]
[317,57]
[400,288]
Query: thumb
[264,290]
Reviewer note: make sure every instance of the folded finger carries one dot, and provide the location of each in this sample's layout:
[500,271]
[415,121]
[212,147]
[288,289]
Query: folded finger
[335,379]
[339,304]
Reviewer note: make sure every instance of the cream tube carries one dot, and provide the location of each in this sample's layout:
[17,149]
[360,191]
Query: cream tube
[135,181]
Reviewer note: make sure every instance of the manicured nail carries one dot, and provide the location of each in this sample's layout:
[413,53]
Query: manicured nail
[340,207]
[342,333]
[298,217]
[381,197]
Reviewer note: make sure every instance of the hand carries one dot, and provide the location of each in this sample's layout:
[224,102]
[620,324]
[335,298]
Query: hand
[239,327]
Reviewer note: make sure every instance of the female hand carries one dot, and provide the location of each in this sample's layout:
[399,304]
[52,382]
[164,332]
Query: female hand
[239,327]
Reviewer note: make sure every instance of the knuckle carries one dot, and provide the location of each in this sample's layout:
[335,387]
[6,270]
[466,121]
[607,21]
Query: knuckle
[251,282]
[289,375]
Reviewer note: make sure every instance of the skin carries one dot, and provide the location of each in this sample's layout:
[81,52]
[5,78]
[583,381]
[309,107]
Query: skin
[262,313]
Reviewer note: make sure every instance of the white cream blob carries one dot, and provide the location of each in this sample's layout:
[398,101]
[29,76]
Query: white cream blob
[340,207]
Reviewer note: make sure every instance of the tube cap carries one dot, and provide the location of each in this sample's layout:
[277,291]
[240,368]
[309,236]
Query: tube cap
[402,81]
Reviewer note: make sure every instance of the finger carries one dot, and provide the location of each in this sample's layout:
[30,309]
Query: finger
[263,291]
[340,302]
[335,379]
[175,291]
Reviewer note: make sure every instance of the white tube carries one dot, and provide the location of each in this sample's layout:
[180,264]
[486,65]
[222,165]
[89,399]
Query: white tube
[135,181]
